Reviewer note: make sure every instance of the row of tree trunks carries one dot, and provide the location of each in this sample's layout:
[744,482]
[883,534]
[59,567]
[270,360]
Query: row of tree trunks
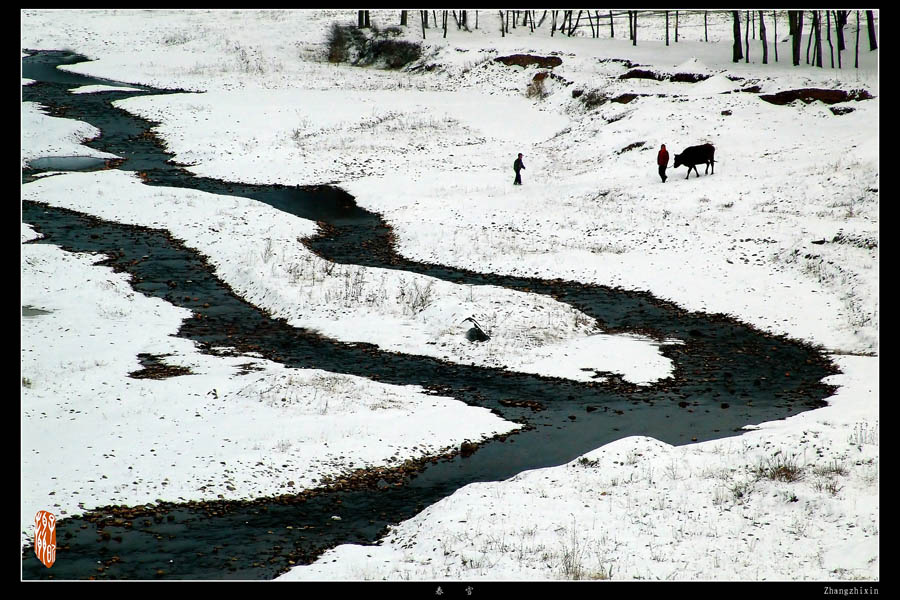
[795,29]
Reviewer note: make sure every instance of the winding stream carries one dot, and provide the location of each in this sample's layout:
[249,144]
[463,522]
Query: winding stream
[726,375]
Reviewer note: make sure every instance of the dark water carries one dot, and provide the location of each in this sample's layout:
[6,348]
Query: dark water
[727,375]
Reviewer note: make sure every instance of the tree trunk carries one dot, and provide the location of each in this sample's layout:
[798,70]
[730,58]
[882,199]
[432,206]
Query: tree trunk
[762,37]
[502,28]
[667,28]
[870,21]
[705,27]
[809,41]
[856,65]
[543,16]
[630,26]
[368,23]
[747,38]
[775,40]
[818,39]
[840,21]
[360,19]
[403,18]
[553,22]
[795,19]
[423,14]
[612,31]
[839,35]
[736,53]
[634,39]
[828,36]
[577,22]
[676,26]
[445,23]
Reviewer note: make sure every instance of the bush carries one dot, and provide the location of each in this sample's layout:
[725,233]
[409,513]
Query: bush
[593,99]
[336,42]
[347,43]
[394,53]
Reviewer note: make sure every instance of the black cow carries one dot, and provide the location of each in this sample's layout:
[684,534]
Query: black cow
[696,155]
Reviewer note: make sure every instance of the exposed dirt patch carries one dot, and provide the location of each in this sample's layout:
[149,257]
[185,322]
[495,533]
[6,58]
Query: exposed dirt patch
[677,77]
[808,95]
[527,60]
[624,61]
[155,368]
[688,77]
[642,74]
[625,98]
[631,147]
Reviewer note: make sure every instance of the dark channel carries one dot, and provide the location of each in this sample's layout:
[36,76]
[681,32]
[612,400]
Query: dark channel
[726,374]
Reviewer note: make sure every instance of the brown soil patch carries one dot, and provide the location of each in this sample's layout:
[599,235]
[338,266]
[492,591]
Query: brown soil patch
[808,95]
[527,60]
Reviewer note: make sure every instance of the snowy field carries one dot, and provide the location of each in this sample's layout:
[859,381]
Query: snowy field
[784,237]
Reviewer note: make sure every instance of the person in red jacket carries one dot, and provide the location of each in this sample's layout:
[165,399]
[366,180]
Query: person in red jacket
[662,159]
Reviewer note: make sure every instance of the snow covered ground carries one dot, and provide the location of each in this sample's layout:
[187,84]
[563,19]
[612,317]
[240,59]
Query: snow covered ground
[431,151]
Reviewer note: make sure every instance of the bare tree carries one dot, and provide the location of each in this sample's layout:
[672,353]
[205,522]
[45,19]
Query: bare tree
[403,18]
[840,21]
[612,32]
[747,38]
[775,40]
[811,35]
[817,20]
[828,36]
[634,37]
[667,28]
[795,21]
[424,15]
[502,27]
[577,22]
[839,34]
[856,65]
[762,37]
[705,26]
[676,26]
[870,21]
[736,53]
